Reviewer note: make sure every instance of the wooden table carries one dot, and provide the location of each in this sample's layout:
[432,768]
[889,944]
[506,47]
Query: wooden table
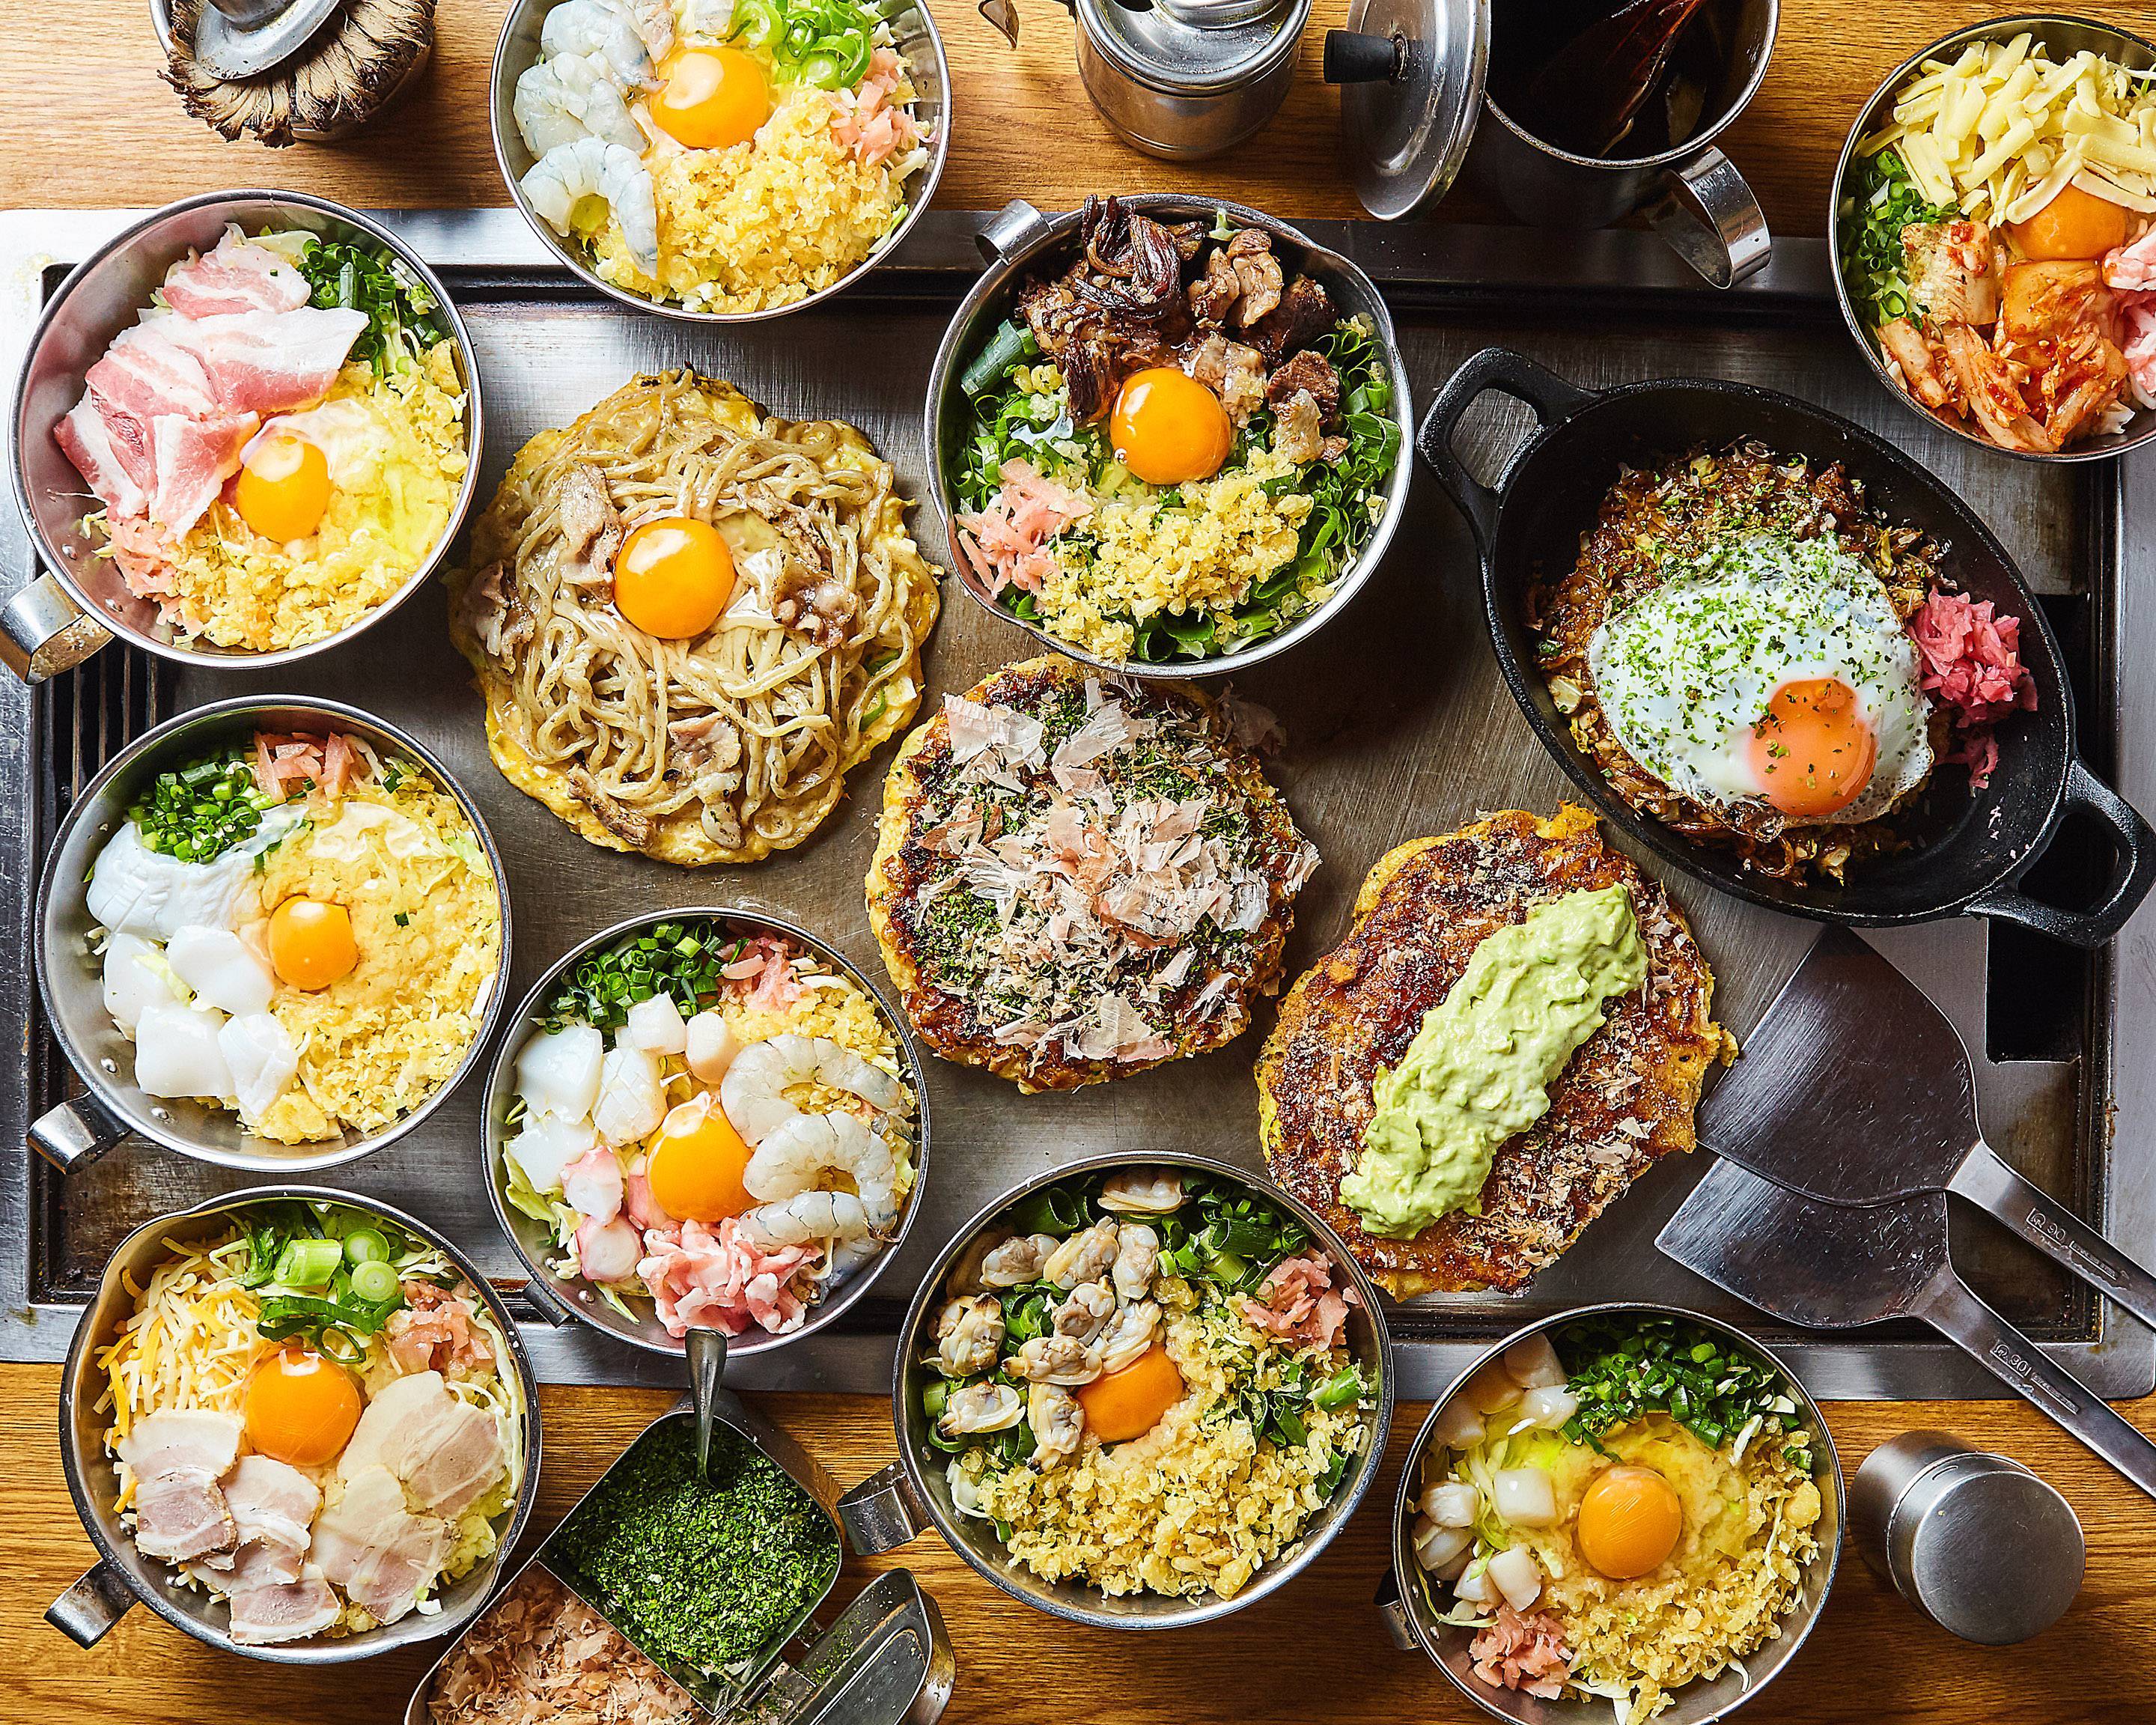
[84,119]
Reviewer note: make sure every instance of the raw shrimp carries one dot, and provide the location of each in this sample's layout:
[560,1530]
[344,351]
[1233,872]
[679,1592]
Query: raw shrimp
[592,167]
[791,1158]
[570,96]
[753,1092]
[807,1219]
[627,38]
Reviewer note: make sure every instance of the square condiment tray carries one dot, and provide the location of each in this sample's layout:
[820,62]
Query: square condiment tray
[1397,725]
[885,1660]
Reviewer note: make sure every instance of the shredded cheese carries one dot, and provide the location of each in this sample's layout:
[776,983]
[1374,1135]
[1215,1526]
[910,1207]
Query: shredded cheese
[2003,129]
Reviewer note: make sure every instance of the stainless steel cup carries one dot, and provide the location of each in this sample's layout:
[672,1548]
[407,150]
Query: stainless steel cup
[899,1501]
[60,617]
[122,1575]
[1975,1542]
[1692,195]
[70,980]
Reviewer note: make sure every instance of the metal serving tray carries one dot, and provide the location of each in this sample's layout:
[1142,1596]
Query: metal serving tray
[1397,727]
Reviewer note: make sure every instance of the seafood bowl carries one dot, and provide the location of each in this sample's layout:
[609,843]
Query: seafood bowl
[1413,1623]
[894,1505]
[1020,241]
[918,43]
[60,618]
[122,1575]
[537,1242]
[69,981]
[2064,36]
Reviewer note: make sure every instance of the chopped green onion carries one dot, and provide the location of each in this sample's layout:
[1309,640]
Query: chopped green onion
[308,1263]
[366,1246]
[374,1281]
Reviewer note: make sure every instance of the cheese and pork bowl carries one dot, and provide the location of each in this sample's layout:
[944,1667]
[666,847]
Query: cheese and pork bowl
[298,1424]
[1138,1391]
[244,429]
[273,935]
[1622,1506]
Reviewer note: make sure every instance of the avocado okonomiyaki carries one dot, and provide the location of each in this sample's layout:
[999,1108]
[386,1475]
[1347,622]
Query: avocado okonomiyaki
[1078,878]
[1516,1027]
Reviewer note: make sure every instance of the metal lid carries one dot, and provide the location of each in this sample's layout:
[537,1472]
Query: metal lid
[1158,48]
[1412,73]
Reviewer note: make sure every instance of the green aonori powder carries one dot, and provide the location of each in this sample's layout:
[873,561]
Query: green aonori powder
[700,1572]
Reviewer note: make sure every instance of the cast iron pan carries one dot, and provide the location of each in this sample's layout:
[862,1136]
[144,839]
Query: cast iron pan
[1971,852]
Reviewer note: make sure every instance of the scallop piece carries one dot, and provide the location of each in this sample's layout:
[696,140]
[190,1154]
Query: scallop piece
[711,1045]
[656,1024]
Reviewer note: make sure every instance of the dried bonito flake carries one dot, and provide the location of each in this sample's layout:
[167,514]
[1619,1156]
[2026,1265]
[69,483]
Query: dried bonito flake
[542,1656]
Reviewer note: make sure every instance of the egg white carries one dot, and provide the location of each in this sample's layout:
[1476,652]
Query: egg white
[1685,673]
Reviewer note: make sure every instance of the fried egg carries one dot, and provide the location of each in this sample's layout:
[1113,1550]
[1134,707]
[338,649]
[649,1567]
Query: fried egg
[1772,671]
[1167,427]
[673,576]
[711,97]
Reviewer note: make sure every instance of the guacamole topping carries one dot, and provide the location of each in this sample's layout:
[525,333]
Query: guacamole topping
[1479,1070]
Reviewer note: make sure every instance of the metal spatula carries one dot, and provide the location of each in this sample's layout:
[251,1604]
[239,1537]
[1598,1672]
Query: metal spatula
[1838,1267]
[1855,1089]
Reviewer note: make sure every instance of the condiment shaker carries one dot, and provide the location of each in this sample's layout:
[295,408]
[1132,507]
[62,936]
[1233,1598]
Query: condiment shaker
[1976,1542]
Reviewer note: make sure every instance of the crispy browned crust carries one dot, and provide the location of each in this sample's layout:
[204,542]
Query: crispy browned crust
[1625,1099]
[901,867]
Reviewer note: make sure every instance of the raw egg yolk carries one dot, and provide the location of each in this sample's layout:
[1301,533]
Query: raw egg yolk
[2074,224]
[283,487]
[1122,1405]
[712,98]
[1629,1518]
[673,576]
[697,1163]
[311,943]
[1813,753]
[1167,426]
[299,1407]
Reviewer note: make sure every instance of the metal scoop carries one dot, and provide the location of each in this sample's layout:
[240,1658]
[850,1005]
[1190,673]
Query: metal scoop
[707,1366]
[244,38]
[1838,1267]
[1855,1089]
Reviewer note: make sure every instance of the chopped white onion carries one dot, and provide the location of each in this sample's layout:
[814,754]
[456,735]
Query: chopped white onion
[1476,1587]
[1489,1389]
[1548,1406]
[1435,1547]
[1532,1363]
[1525,1497]
[1453,1503]
[1458,1427]
[1516,1575]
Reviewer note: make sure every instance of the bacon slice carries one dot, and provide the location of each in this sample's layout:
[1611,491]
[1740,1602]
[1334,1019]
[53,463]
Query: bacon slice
[268,361]
[234,275]
[370,1545]
[289,1611]
[194,459]
[147,373]
[86,440]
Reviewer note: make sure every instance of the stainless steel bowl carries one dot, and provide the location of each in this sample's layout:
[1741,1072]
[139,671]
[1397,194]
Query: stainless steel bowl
[1412,1624]
[122,1575]
[918,44]
[2063,36]
[1019,241]
[534,1242]
[70,980]
[893,1505]
[62,617]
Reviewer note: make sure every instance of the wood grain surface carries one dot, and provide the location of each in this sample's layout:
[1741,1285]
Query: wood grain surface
[85,120]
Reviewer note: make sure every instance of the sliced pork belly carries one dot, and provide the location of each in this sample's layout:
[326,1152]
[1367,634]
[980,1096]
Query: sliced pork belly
[176,1459]
[445,1451]
[84,440]
[195,457]
[271,1504]
[193,1442]
[370,1544]
[268,361]
[146,373]
[236,275]
[287,1610]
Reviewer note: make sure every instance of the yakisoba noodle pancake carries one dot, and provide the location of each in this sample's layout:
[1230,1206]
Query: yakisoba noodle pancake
[690,620]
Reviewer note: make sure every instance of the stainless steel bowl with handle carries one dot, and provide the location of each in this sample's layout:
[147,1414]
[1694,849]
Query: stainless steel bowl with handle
[917,42]
[70,977]
[534,1240]
[122,1575]
[913,1493]
[2063,36]
[1020,242]
[58,619]
[1413,1623]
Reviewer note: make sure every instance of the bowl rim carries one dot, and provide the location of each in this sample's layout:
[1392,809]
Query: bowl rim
[1274,1576]
[1031,234]
[501,84]
[1793,1628]
[2001,29]
[42,957]
[47,554]
[494,1137]
[76,1465]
